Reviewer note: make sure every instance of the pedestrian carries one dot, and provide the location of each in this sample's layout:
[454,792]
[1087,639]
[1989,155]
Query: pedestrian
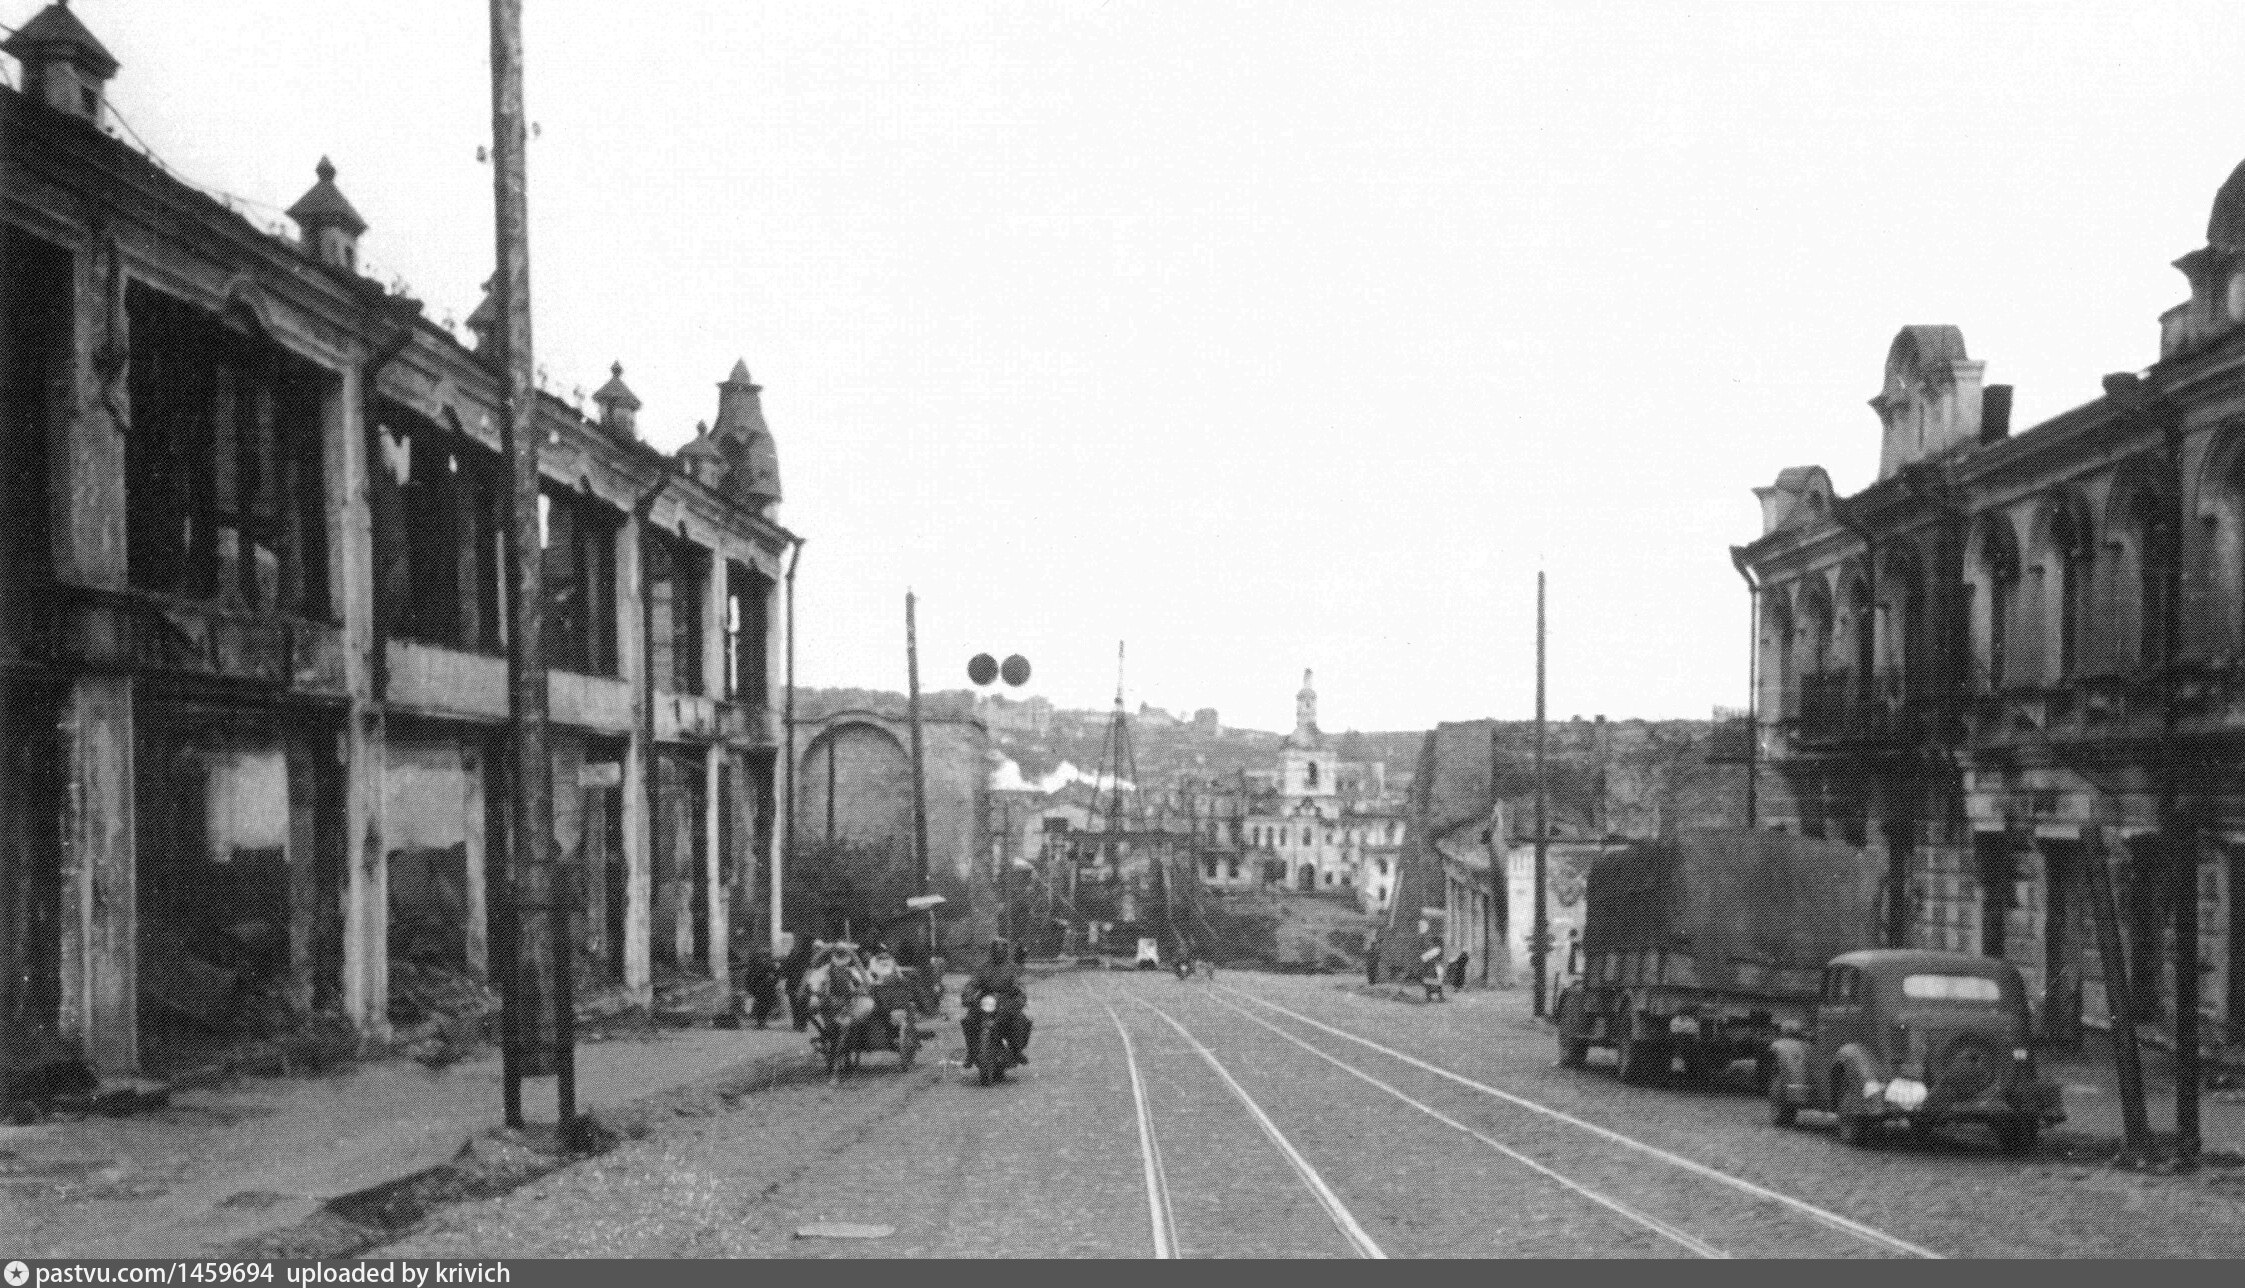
[1457,970]
[1430,971]
[760,979]
[791,972]
[1372,961]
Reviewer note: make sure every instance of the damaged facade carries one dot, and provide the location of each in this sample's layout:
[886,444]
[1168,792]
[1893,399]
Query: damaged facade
[252,676]
[2013,657]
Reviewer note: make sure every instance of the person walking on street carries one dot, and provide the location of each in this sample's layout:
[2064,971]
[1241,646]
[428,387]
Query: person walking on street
[791,972]
[760,979]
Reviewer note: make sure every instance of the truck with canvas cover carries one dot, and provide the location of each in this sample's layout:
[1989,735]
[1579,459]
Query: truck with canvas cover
[1707,946]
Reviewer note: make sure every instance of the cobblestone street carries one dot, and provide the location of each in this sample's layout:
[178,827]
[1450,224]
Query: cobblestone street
[1404,1158]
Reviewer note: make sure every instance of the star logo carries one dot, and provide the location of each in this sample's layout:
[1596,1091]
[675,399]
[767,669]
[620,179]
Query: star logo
[18,1274]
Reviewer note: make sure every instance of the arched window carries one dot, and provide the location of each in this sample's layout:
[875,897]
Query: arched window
[1999,571]
[2072,555]
[1781,665]
[1864,626]
[1817,625]
[2144,524]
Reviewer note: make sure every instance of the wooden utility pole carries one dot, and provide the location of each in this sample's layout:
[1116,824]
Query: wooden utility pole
[1753,678]
[1539,940]
[537,899]
[2178,825]
[919,760]
[2120,999]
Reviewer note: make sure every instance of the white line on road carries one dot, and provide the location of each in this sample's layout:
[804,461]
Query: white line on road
[1164,1217]
[1350,1230]
[1823,1216]
[1697,1246]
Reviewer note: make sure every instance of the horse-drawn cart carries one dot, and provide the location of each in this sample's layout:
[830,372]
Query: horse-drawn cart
[852,1013]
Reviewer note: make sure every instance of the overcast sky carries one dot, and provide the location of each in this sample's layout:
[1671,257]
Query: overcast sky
[1262,336]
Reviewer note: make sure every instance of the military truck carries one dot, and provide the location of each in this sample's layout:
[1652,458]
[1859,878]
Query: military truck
[1707,947]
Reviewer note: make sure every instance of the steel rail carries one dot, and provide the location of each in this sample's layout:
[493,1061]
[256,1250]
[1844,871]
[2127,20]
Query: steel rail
[1822,1216]
[1683,1238]
[1159,1211]
[1343,1219]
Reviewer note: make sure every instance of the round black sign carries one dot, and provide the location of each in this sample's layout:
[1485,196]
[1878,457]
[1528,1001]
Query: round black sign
[1016,670]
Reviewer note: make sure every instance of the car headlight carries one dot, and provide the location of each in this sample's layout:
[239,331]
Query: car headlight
[1905,1093]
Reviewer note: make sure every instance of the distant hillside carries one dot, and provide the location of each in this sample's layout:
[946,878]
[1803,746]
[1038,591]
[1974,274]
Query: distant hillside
[1619,776]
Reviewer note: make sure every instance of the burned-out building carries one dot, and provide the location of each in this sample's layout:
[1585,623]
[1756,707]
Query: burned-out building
[2014,659]
[253,622]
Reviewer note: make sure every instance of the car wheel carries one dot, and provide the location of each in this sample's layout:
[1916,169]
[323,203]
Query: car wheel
[1782,1111]
[2017,1135]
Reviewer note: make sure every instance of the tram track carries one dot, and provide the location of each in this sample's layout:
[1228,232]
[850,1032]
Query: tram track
[1858,1234]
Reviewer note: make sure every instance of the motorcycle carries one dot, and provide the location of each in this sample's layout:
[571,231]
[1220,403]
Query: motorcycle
[991,1051]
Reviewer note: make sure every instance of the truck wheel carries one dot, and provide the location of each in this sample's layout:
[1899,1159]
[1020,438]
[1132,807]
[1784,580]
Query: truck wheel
[1573,1054]
[2017,1135]
[1638,1060]
[1782,1111]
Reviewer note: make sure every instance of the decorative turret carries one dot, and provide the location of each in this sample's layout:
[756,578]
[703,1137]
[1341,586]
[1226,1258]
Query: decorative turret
[618,405]
[701,459]
[329,227]
[745,441]
[63,65]
[1930,401]
[1305,713]
[2217,276]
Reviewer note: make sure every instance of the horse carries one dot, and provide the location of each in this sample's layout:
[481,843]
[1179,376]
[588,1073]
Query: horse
[841,1001]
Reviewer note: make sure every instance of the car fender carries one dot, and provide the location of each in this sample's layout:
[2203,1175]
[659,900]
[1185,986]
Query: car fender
[1861,1065]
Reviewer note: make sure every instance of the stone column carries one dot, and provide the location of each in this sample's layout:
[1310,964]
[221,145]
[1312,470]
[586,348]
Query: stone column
[100,995]
[638,824]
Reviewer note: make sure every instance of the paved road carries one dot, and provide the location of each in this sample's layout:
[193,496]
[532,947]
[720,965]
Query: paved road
[1273,1116]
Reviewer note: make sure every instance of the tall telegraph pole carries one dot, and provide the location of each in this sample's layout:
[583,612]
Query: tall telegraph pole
[919,761]
[536,899]
[1539,939]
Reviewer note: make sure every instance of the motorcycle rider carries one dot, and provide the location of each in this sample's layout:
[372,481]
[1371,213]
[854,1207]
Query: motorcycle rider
[1001,978]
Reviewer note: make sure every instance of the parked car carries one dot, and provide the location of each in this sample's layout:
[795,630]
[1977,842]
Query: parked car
[1923,1038]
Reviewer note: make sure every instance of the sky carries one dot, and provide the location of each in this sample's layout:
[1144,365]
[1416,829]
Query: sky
[1268,336]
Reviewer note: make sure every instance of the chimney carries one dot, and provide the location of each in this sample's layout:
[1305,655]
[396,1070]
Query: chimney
[1995,413]
[618,405]
[329,227]
[63,65]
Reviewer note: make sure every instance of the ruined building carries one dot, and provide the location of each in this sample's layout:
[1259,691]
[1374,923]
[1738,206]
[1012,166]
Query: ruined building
[2014,657]
[253,621]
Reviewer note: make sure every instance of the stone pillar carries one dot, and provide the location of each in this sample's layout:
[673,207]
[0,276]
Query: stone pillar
[100,984]
[87,448]
[719,946]
[638,824]
[475,763]
[366,884]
